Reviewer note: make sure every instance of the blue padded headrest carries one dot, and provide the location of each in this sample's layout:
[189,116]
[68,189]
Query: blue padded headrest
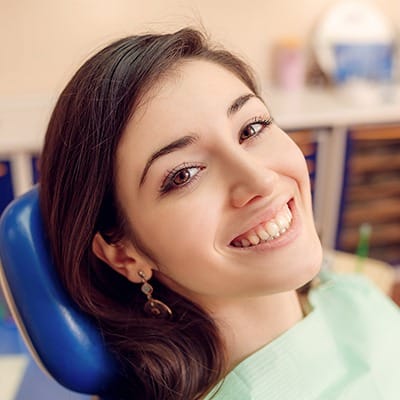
[68,344]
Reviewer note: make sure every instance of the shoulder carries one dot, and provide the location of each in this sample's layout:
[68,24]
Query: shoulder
[352,289]
[352,303]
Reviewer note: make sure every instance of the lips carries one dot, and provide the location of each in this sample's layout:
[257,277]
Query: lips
[266,231]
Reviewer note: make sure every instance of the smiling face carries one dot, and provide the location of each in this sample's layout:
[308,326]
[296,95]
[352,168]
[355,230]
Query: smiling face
[216,192]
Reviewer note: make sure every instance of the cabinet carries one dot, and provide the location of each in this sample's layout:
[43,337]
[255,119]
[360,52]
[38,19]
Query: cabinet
[308,143]
[6,186]
[371,191]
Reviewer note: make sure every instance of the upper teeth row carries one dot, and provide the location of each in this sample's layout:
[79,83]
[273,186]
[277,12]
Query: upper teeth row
[267,231]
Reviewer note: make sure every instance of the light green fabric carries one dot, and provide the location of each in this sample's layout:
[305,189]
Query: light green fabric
[347,348]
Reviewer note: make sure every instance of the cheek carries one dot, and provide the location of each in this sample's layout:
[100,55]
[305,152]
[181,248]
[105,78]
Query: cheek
[182,247]
[188,228]
[298,167]
[289,160]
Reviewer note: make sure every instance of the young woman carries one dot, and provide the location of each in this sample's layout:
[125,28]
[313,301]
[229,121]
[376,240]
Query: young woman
[179,216]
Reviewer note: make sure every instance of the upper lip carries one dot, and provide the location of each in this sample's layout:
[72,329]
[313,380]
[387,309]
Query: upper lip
[262,214]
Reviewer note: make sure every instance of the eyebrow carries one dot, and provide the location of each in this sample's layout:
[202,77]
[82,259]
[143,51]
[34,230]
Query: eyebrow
[240,102]
[185,141]
[175,145]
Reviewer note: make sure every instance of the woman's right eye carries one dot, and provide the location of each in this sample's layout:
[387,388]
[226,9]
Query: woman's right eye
[180,177]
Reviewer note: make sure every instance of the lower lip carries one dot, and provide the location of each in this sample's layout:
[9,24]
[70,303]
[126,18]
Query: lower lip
[286,238]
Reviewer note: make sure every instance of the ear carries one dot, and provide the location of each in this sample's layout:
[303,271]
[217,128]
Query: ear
[122,258]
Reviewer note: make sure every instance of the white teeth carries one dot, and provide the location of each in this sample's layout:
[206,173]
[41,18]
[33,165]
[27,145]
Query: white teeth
[245,243]
[282,221]
[254,239]
[262,233]
[272,228]
[289,214]
[268,231]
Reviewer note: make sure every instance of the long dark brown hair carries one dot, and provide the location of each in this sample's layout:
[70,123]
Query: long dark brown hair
[180,359]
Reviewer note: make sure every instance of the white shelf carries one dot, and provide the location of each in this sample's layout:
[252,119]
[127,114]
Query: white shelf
[318,108]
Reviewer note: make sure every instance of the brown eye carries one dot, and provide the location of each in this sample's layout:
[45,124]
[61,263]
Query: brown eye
[181,177]
[251,130]
[248,132]
[254,129]
[185,175]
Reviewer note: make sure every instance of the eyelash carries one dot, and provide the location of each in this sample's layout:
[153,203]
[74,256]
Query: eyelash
[168,181]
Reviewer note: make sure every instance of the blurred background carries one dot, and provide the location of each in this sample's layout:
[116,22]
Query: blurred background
[43,41]
[329,71]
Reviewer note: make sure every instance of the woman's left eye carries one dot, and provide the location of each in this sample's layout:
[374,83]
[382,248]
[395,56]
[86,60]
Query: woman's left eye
[253,129]
[180,177]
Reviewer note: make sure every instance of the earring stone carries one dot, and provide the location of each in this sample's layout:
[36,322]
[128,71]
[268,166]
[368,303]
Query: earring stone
[153,308]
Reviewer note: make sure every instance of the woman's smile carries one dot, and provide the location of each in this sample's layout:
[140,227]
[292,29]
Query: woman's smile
[266,230]
[265,235]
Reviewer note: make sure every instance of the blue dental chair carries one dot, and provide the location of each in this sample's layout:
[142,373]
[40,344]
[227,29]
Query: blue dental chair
[62,340]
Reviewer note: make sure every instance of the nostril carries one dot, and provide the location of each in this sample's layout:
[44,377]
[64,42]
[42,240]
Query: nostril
[242,196]
[254,199]
[250,179]
[248,192]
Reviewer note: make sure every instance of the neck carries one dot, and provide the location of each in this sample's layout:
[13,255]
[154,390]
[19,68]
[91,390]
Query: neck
[250,324]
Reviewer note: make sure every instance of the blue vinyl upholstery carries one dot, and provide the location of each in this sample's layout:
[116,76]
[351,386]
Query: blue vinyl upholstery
[61,338]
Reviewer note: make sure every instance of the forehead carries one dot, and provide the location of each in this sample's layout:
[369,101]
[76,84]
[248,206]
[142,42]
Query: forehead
[193,89]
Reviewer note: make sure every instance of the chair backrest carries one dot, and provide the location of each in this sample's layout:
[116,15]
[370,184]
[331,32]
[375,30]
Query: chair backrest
[62,339]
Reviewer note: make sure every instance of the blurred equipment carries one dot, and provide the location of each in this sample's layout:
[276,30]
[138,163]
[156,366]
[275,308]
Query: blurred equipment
[354,41]
[363,245]
[289,64]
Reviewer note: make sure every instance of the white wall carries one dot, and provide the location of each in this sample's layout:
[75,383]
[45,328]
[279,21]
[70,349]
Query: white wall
[42,42]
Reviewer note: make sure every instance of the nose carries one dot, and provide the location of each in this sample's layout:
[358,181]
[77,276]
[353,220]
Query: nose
[250,180]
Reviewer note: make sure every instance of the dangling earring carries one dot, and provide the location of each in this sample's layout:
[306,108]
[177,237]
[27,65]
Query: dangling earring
[153,308]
